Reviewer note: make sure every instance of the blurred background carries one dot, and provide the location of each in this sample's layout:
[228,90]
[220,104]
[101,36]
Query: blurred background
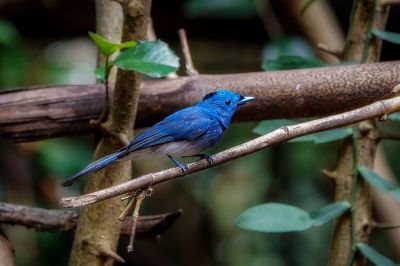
[46,42]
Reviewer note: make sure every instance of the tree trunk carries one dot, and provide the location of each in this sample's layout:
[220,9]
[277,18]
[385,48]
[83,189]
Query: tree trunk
[98,230]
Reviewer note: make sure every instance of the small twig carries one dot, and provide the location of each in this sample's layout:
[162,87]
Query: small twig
[135,216]
[187,57]
[269,19]
[338,53]
[384,226]
[274,137]
[389,2]
[331,174]
[126,210]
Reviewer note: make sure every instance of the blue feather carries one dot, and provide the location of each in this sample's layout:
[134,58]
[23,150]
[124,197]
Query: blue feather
[94,166]
[187,132]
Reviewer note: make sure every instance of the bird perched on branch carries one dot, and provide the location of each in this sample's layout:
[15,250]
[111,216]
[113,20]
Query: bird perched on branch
[185,133]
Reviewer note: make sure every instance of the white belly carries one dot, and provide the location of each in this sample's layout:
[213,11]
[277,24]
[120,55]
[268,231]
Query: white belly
[178,149]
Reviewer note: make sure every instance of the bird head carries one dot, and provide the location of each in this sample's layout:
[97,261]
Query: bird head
[224,104]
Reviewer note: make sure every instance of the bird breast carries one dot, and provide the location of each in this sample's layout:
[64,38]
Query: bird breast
[177,148]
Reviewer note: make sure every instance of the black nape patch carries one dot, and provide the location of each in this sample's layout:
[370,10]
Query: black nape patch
[208,96]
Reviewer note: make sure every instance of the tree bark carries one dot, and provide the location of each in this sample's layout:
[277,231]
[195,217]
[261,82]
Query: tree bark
[150,226]
[98,229]
[43,112]
[360,47]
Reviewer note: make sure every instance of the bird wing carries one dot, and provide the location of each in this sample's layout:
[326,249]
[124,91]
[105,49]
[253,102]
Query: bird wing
[187,124]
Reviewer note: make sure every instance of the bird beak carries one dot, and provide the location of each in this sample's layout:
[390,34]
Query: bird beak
[245,99]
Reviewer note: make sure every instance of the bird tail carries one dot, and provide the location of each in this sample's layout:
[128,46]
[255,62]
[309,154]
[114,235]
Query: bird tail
[96,165]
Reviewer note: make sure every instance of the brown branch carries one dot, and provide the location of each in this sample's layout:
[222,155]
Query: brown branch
[45,220]
[385,226]
[6,251]
[389,2]
[376,109]
[38,218]
[187,56]
[40,112]
[356,226]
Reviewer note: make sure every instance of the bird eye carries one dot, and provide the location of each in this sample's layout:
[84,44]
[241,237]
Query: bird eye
[228,102]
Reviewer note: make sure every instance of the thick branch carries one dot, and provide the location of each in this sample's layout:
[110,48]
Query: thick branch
[65,220]
[40,112]
[97,233]
[376,109]
[37,218]
[361,46]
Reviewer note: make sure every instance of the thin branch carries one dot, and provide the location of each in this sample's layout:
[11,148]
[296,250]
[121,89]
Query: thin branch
[39,219]
[385,226]
[6,251]
[280,135]
[45,112]
[389,2]
[135,216]
[187,56]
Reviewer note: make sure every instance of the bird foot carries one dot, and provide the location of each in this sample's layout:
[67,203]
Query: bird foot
[182,166]
[208,158]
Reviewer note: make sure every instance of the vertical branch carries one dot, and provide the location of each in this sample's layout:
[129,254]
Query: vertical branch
[6,251]
[356,227]
[187,57]
[98,230]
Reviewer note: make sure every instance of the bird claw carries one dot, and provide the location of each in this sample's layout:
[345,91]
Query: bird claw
[183,168]
[208,158]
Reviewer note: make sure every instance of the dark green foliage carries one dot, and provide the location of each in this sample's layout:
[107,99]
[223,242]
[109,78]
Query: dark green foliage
[286,62]
[220,8]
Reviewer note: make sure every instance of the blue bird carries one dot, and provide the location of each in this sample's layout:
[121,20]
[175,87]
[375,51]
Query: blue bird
[185,133]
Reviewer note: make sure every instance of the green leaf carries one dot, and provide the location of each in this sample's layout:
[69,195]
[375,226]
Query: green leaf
[318,138]
[277,217]
[394,117]
[100,73]
[388,36]
[153,58]
[285,62]
[9,35]
[374,256]
[274,218]
[106,47]
[306,6]
[380,183]
[329,212]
